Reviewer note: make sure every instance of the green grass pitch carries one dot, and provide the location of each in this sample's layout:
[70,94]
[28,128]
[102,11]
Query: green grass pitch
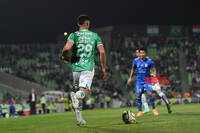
[184,119]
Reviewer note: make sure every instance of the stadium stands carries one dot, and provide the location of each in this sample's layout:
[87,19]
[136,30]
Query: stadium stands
[165,52]
[42,63]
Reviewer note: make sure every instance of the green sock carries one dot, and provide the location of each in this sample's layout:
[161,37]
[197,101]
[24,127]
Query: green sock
[80,106]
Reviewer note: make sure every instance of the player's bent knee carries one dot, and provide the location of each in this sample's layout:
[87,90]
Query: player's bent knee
[80,100]
[149,94]
[158,91]
[139,96]
[85,90]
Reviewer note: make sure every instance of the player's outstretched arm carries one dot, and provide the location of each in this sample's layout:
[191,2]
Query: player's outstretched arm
[102,59]
[130,77]
[66,51]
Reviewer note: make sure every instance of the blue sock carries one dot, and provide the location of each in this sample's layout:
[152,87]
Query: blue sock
[139,104]
[152,101]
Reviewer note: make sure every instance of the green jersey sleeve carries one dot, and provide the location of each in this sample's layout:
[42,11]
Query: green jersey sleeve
[99,42]
[71,38]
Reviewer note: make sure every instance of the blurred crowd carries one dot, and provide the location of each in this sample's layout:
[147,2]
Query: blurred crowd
[165,52]
[42,64]
[43,104]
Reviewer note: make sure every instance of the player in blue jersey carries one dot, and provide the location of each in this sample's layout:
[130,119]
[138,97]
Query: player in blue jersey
[142,66]
[144,101]
[156,88]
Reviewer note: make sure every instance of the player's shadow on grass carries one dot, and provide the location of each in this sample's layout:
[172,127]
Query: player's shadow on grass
[107,128]
[186,114]
[109,125]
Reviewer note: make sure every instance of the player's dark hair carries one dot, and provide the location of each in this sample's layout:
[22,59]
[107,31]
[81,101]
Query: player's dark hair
[143,49]
[82,18]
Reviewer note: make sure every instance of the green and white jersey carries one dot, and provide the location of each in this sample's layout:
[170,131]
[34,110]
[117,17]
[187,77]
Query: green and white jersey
[83,50]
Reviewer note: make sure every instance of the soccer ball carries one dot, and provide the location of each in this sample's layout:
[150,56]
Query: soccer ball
[65,33]
[128,117]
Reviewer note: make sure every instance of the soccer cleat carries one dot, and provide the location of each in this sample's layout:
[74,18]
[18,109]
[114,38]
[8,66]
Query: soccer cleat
[155,112]
[139,114]
[169,109]
[75,101]
[146,111]
[82,122]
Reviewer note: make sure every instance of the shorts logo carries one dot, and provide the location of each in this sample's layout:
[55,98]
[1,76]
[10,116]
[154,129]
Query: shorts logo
[82,94]
[86,86]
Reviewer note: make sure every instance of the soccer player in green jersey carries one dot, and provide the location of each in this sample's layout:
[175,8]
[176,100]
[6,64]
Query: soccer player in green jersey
[82,44]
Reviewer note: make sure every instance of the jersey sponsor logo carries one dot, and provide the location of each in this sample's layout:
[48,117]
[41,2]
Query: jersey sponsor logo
[83,33]
[140,70]
[82,61]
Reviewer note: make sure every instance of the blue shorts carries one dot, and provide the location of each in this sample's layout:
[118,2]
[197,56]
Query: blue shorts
[141,87]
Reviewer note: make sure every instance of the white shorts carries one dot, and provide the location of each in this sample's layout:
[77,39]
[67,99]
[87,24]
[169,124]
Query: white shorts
[156,87]
[83,79]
